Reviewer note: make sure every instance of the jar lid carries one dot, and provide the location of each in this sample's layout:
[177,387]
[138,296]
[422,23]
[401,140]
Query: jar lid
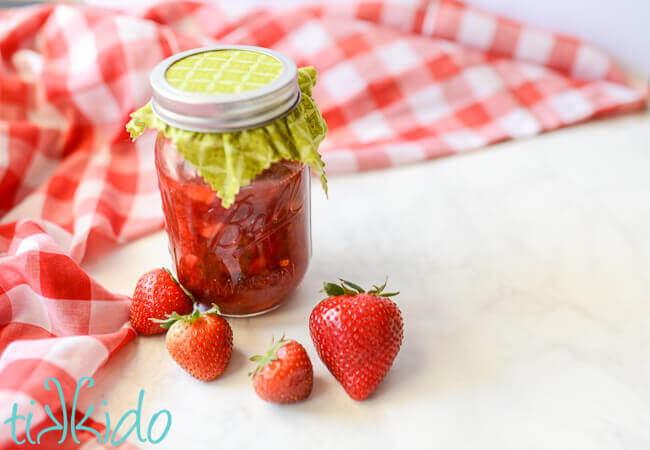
[224,88]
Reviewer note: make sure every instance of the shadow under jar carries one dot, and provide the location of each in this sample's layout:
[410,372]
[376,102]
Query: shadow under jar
[246,258]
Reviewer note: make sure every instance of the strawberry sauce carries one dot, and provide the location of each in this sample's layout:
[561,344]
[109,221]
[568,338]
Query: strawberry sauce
[246,258]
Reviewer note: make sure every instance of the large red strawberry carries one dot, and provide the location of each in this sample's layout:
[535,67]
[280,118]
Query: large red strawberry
[357,334]
[200,342]
[284,374]
[157,294]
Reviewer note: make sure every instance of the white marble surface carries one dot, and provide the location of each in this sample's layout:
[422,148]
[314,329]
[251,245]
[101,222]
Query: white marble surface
[525,279]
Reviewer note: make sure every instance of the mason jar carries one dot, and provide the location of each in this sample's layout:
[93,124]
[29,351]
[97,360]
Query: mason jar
[235,116]
[246,258]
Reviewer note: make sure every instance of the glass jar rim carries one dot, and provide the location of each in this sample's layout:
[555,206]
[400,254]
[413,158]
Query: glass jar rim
[219,113]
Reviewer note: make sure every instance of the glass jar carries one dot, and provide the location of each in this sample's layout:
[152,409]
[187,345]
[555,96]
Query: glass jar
[246,258]
[239,234]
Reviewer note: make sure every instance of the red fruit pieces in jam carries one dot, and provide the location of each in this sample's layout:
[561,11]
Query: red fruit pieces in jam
[248,257]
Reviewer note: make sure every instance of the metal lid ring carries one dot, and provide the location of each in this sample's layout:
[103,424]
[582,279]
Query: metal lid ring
[217,113]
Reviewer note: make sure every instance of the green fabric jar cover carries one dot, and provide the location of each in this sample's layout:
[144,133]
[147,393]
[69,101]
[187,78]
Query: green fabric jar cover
[228,161]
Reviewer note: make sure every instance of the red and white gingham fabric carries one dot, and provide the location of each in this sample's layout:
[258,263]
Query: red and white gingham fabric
[397,84]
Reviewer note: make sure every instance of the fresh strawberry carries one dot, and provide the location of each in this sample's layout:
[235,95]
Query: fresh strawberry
[284,374]
[200,342]
[357,334]
[157,294]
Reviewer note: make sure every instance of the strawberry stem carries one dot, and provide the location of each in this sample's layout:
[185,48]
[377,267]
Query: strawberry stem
[191,317]
[269,356]
[349,288]
[356,287]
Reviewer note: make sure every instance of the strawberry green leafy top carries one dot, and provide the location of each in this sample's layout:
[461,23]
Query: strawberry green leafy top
[228,161]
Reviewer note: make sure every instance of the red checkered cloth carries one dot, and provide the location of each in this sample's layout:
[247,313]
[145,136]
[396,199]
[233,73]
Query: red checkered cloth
[398,84]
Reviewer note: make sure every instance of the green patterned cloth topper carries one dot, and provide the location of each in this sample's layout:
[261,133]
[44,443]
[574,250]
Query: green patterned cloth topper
[223,72]
[228,161]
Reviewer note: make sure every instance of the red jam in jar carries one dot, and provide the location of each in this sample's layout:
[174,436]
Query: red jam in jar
[246,258]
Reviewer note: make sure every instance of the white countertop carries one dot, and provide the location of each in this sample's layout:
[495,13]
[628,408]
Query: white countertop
[525,278]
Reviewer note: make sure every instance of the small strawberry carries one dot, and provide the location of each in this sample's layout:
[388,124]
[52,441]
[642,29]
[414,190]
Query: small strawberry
[284,374]
[357,334]
[200,342]
[157,294]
